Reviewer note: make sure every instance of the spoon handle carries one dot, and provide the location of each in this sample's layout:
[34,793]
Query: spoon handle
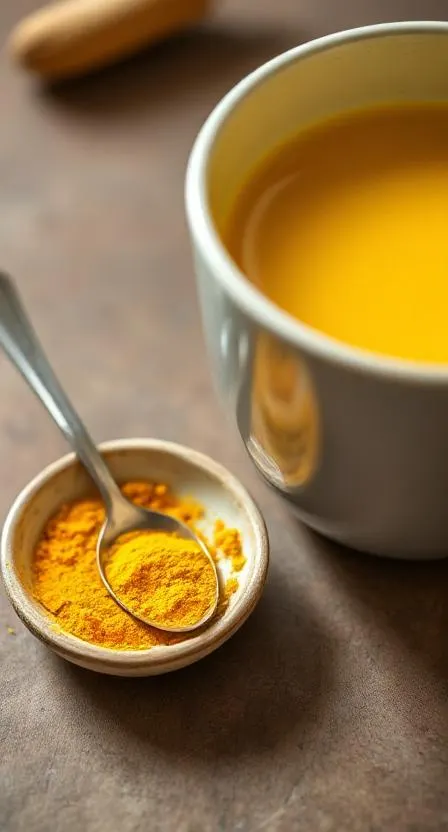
[20,342]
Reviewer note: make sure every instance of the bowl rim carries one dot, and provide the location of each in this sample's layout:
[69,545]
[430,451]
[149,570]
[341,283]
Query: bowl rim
[226,272]
[160,656]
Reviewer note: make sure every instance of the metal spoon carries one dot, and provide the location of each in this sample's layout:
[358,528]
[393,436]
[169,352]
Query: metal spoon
[19,341]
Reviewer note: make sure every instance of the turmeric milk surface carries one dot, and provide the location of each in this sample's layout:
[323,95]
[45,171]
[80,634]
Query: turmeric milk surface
[346,228]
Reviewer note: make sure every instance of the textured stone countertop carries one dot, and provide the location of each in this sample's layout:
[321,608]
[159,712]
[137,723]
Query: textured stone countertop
[328,711]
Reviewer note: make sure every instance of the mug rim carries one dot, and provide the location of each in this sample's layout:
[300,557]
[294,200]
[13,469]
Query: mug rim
[244,293]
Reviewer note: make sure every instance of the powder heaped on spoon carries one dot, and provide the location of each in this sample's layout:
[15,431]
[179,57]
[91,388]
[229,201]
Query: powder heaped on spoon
[162,578]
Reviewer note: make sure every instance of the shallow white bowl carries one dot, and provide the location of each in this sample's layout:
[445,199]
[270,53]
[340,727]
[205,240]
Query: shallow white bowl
[188,473]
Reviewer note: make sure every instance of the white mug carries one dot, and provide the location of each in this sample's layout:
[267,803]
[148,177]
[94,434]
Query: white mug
[356,442]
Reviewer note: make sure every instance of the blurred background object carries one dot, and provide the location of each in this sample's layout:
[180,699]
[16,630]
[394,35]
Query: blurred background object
[72,37]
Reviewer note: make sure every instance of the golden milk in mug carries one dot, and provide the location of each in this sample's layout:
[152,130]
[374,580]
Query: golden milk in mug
[346,228]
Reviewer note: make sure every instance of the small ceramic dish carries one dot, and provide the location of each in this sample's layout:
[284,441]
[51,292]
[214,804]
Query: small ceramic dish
[188,473]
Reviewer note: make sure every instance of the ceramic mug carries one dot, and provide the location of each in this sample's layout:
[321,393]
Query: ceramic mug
[356,442]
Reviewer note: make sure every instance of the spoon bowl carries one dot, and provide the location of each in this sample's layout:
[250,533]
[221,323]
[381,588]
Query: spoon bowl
[127,517]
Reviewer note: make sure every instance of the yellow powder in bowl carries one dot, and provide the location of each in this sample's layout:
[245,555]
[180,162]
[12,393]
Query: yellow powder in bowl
[65,578]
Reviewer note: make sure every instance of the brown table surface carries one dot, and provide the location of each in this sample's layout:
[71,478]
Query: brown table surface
[328,711]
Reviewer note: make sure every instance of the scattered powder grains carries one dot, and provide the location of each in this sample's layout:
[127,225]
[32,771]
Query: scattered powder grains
[228,541]
[66,581]
[231,586]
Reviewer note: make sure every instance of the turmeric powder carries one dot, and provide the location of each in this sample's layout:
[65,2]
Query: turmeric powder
[65,579]
[165,579]
[228,541]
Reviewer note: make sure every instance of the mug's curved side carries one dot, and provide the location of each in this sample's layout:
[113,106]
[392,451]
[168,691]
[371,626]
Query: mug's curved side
[356,443]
